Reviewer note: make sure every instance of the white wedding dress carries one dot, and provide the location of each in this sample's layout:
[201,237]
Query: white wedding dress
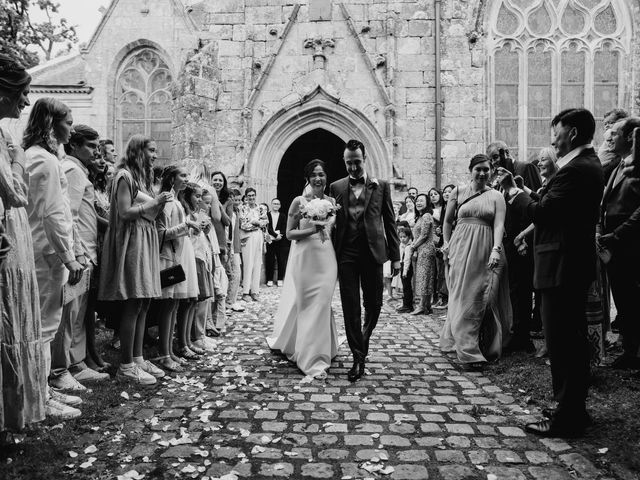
[304,327]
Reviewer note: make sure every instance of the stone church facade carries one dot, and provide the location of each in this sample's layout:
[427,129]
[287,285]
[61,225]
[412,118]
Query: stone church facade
[258,87]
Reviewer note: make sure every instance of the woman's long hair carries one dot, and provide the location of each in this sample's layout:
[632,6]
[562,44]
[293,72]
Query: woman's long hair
[427,208]
[134,161]
[413,202]
[223,196]
[185,197]
[169,177]
[45,114]
[430,203]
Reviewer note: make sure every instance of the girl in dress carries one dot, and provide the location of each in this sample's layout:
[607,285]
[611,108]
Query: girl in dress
[173,228]
[188,290]
[479,304]
[130,267]
[22,370]
[423,250]
[208,266]
[304,326]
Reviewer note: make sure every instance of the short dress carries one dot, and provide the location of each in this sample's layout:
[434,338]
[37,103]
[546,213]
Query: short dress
[130,261]
[187,258]
[204,263]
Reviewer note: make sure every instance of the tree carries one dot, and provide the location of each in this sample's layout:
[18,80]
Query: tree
[19,32]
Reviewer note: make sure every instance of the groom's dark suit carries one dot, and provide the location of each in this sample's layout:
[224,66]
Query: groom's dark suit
[365,238]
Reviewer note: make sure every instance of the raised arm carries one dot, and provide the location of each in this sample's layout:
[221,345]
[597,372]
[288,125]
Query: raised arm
[128,211]
[449,216]
[390,229]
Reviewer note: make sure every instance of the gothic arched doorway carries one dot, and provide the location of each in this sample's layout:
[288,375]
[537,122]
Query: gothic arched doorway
[318,143]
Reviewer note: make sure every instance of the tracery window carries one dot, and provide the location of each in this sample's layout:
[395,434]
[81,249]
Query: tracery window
[143,101]
[547,55]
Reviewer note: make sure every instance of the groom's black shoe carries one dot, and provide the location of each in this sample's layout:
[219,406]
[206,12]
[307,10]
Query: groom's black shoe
[356,371]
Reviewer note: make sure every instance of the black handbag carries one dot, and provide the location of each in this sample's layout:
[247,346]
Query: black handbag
[172,275]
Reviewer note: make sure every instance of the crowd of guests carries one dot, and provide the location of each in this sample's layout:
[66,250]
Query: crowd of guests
[88,237]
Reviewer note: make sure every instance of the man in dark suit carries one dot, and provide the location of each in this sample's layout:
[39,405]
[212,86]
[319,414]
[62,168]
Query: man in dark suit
[365,238]
[608,158]
[520,266]
[620,226]
[278,249]
[565,221]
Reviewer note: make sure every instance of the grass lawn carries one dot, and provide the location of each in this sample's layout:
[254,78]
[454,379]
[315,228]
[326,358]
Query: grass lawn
[614,404]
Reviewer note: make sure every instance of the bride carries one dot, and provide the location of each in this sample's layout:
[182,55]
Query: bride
[304,327]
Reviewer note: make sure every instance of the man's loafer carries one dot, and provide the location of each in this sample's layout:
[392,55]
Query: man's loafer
[548,428]
[356,372]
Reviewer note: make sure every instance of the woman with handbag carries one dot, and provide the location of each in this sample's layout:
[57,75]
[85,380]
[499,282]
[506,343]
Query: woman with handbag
[479,316]
[130,273]
[173,228]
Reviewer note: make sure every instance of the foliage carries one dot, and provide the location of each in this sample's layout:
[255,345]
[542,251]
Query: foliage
[19,32]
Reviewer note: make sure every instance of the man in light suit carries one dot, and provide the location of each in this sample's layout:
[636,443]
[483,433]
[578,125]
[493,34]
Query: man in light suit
[365,238]
[564,252]
[620,226]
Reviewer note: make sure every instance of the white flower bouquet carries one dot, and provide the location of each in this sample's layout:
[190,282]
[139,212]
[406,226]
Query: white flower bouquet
[319,211]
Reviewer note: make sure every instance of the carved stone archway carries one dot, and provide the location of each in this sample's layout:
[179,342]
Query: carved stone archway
[316,110]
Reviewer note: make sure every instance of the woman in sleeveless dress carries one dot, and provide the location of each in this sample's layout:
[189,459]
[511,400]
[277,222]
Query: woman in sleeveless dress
[479,316]
[304,326]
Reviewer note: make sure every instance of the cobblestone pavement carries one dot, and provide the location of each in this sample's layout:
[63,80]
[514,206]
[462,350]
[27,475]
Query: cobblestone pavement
[243,413]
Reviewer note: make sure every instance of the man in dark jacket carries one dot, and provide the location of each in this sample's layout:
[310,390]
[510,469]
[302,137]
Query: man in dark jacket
[565,221]
[620,223]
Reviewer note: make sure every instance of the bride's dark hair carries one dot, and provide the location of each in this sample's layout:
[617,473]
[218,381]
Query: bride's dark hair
[310,167]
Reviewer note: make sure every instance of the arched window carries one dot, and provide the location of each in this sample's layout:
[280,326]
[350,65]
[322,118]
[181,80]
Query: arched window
[547,55]
[143,101]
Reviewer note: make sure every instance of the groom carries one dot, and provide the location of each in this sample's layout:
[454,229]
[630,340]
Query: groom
[365,238]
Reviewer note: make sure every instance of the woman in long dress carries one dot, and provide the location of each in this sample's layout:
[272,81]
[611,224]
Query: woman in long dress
[424,250]
[479,316]
[22,366]
[304,326]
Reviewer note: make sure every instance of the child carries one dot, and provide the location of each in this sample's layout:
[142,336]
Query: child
[406,238]
[220,280]
[205,268]
[189,198]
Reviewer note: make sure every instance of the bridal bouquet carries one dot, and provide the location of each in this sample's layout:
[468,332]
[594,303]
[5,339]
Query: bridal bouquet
[318,211]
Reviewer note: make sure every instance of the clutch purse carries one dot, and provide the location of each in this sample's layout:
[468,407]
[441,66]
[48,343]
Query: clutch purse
[172,275]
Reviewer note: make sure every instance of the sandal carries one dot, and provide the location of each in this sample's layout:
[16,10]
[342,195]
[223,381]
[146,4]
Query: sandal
[187,353]
[196,350]
[168,364]
[179,360]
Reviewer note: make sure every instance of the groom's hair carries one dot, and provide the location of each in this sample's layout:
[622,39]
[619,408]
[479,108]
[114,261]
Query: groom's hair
[354,145]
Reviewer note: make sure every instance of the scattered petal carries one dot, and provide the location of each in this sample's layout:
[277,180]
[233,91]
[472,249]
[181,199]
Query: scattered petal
[72,454]
[90,449]
[125,395]
[88,463]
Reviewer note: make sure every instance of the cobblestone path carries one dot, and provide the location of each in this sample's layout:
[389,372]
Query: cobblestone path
[243,413]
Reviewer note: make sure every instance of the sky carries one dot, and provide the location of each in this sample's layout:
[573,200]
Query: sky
[83,14]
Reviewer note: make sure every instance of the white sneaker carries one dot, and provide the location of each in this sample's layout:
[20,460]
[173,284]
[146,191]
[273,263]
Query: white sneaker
[60,397]
[135,374]
[60,411]
[90,375]
[66,382]
[280,283]
[269,283]
[150,368]
[236,307]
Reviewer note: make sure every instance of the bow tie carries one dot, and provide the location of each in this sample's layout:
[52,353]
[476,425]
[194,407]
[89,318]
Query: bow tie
[356,181]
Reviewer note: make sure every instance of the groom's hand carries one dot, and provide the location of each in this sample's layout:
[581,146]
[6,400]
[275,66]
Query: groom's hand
[396,267]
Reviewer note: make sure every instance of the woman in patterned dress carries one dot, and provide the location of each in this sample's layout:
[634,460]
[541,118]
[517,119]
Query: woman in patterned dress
[424,250]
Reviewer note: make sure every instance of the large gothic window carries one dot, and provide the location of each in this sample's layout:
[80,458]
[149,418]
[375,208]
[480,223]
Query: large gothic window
[143,101]
[548,55]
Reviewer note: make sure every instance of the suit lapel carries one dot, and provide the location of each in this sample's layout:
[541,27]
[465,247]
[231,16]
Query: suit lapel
[614,181]
[367,190]
[345,195]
